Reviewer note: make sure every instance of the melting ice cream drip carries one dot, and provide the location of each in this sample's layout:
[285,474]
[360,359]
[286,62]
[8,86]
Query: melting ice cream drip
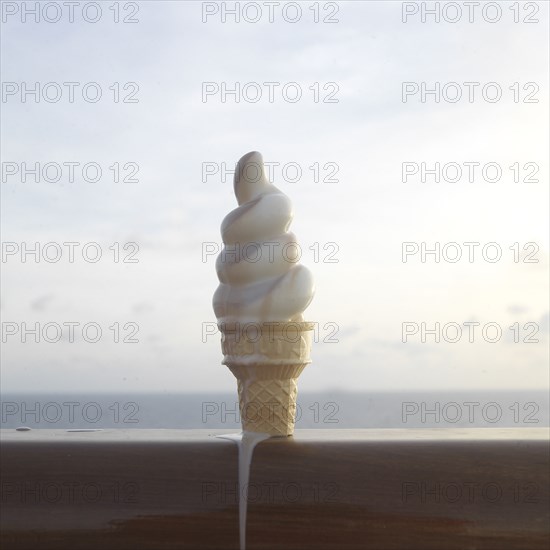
[259,281]
[246,442]
[259,277]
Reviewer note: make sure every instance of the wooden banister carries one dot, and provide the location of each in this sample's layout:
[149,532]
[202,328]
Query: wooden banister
[322,489]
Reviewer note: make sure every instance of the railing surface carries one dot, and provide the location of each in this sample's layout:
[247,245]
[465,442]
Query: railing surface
[326,489]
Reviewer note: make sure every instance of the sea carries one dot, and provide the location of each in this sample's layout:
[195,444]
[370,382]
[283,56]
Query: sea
[323,410]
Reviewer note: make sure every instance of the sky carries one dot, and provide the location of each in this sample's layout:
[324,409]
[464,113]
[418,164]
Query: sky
[388,95]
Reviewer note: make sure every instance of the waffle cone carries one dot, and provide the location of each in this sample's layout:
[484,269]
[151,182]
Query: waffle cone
[267,359]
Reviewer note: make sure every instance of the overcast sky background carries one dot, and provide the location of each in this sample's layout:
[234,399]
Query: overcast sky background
[368,213]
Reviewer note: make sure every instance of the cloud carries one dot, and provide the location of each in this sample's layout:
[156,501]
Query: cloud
[367,213]
[41,303]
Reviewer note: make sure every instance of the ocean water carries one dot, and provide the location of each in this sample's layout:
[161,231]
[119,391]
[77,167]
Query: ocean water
[327,410]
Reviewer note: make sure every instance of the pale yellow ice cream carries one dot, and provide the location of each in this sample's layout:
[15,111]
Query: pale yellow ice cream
[260,279]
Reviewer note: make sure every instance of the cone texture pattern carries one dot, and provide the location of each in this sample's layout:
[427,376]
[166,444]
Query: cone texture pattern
[267,362]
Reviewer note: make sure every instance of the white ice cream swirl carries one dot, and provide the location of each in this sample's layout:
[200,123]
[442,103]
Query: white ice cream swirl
[259,277]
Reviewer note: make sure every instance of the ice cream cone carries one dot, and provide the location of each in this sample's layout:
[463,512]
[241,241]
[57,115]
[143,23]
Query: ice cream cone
[267,358]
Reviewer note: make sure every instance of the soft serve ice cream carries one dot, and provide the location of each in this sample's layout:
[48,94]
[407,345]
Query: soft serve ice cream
[262,288]
[260,279]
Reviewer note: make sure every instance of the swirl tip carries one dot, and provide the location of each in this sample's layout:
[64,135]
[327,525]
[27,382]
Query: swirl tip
[252,155]
[250,179]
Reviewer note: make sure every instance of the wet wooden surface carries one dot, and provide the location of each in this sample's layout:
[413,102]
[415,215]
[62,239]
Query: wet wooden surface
[322,489]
